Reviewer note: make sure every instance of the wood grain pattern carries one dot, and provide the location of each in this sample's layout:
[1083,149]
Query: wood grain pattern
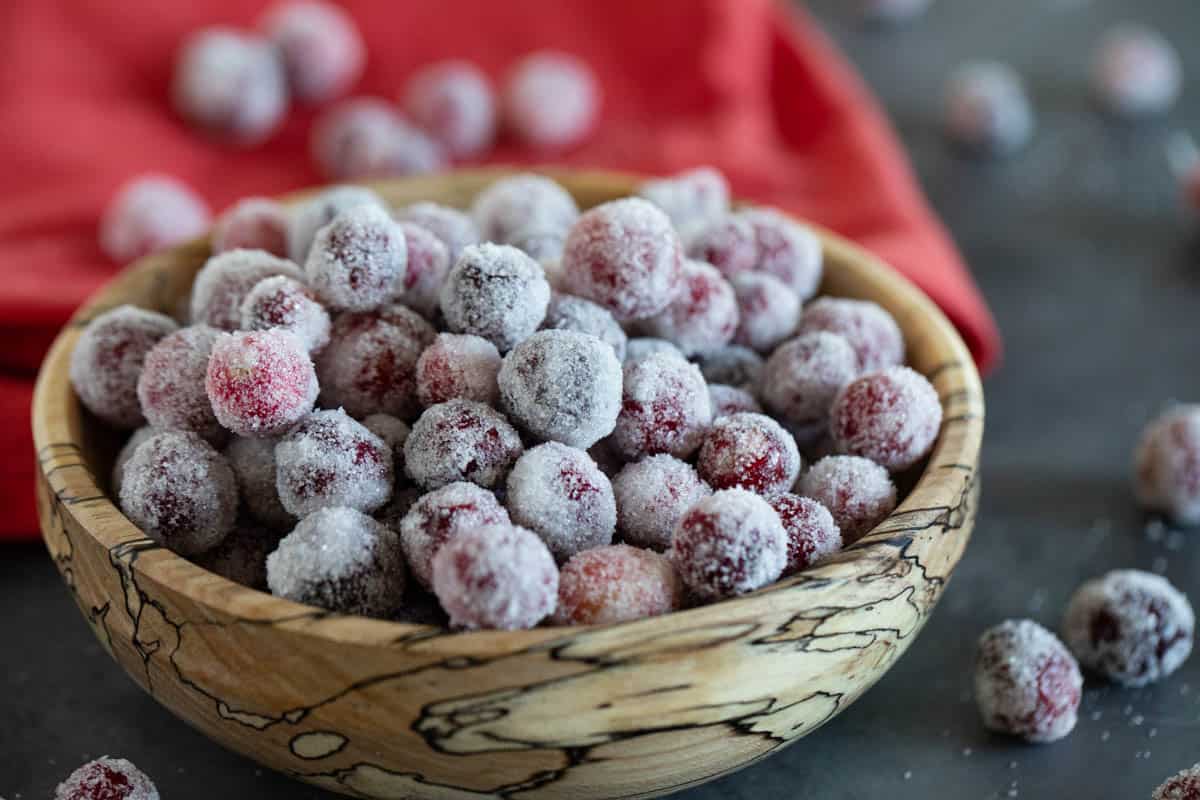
[387,710]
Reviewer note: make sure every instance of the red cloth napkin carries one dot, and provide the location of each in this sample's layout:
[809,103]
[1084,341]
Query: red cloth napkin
[749,86]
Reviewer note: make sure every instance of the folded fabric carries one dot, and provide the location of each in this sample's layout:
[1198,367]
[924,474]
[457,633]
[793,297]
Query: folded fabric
[750,86]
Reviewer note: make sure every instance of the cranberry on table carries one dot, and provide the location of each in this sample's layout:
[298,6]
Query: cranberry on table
[749,451]
[286,304]
[461,440]
[551,100]
[253,464]
[857,492]
[497,292]
[428,264]
[787,250]
[803,376]
[341,560]
[652,496]
[562,385]
[870,330]
[987,110]
[224,281]
[241,556]
[125,453]
[365,138]
[458,365]
[703,316]
[322,49]
[569,313]
[1166,465]
[151,213]
[728,544]
[453,101]
[107,778]
[456,229]
[260,383]
[107,361]
[728,400]
[1184,785]
[331,460]
[891,417]
[626,256]
[812,534]
[560,494]
[641,347]
[518,208]
[438,516]
[1129,626]
[767,309]
[369,365]
[1136,72]
[253,223]
[359,261]
[729,243]
[171,386]
[734,365]
[495,577]
[319,210]
[1026,682]
[616,583]
[690,198]
[180,491]
[231,85]
[665,408]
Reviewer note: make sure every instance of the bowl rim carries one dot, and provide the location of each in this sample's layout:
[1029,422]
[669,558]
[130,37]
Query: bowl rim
[162,568]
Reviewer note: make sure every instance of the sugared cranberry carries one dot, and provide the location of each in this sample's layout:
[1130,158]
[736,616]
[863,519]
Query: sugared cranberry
[690,198]
[286,304]
[365,138]
[497,292]
[858,493]
[394,432]
[652,496]
[734,365]
[870,330]
[151,213]
[253,463]
[359,261]
[260,383]
[1166,465]
[987,111]
[254,223]
[458,366]
[107,779]
[428,264]
[1184,785]
[454,228]
[569,313]
[641,347]
[767,309]
[171,387]
[461,440]
[330,460]
[322,50]
[787,250]
[125,453]
[530,212]
[224,281]
[728,243]
[665,408]
[728,400]
[804,375]
[729,544]
[891,417]
[551,100]
[454,103]
[616,583]
[1136,72]
[812,534]
[749,451]
[560,494]
[1026,683]
[439,516]
[704,315]
[319,210]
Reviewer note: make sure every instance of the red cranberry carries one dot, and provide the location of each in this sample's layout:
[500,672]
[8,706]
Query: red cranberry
[551,100]
[560,494]
[616,583]
[1166,468]
[857,491]
[254,223]
[151,213]
[461,440]
[729,544]
[330,460]
[704,315]
[453,102]
[260,383]
[458,366]
[665,408]
[652,496]
[891,417]
[171,386]
[440,515]
[749,451]
[107,779]
[812,534]
[322,50]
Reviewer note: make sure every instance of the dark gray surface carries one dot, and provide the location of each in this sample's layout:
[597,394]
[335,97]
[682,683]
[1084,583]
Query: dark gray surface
[1092,270]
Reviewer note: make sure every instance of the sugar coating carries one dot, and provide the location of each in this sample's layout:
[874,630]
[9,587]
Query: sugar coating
[665,408]
[260,383]
[891,11]
[804,375]
[891,417]
[253,463]
[322,50]
[551,100]
[180,492]
[107,778]
[125,453]
[319,210]
[869,329]
[1026,682]
[341,560]
[987,110]
[1183,785]
[365,138]
[1131,627]
[768,310]
[749,451]
[230,84]
[253,223]
[453,101]
[727,242]
[241,556]
[438,516]
[225,280]
[370,363]
[626,256]
[428,264]
[394,433]
[690,198]
[461,440]
[497,576]
[728,544]
[728,400]
[704,314]
[107,362]
[858,493]
[562,385]
[458,365]
[560,494]
[616,583]
[812,535]
[787,250]
[286,304]
[497,292]
[456,229]
[569,313]
[652,496]
[641,347]
[358,261]
[1136,71]
[151,213]
[1166,465]
[171,386]
[734,365]
[525,208]
[331,460]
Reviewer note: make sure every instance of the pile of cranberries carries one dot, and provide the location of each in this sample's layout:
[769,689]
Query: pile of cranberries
[369,403]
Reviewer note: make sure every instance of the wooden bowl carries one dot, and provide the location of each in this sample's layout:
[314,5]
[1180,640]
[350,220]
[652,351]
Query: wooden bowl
[389,710]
